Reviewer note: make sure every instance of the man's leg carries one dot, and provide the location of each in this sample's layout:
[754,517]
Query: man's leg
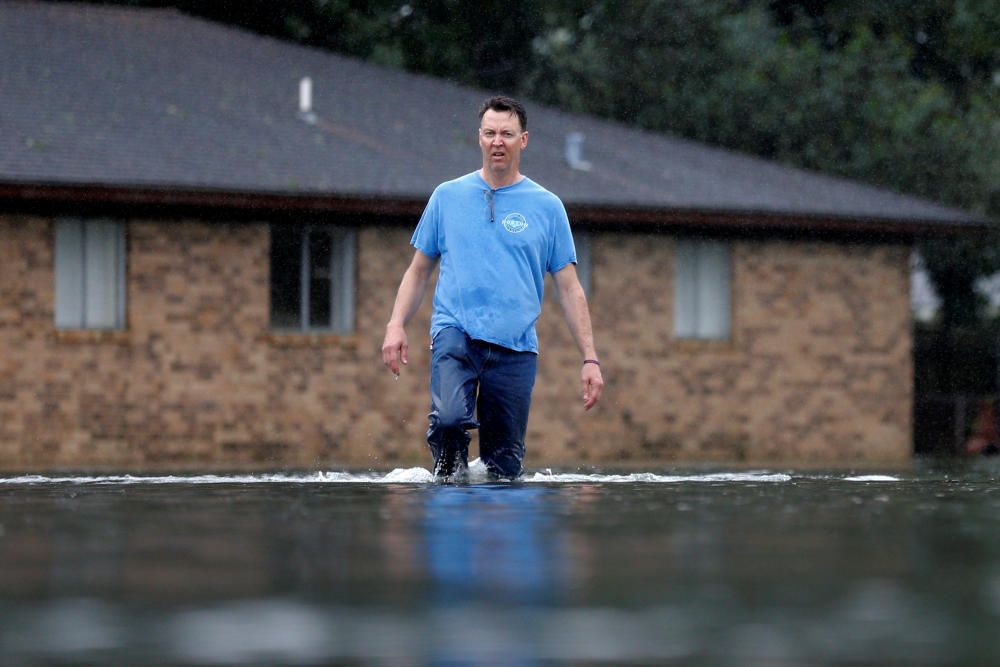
[453,400]
[504,402]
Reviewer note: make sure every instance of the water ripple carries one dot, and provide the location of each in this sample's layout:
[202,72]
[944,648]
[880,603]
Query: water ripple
[397,476]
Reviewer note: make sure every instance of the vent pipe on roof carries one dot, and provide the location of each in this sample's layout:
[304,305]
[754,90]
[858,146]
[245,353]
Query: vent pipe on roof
[305,100]
[574,152]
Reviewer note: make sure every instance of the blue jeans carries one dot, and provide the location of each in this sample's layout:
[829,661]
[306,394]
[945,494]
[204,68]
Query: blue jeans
[503,378]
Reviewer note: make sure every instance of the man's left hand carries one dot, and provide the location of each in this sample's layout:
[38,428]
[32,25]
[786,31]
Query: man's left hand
[592,383]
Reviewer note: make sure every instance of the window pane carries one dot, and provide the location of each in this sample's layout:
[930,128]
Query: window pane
[342,301]
[702,290]
[713,291]
[320,259]
[312,278]
[69,274]
[686,289]
[90,274]
[101,253]
[286,272]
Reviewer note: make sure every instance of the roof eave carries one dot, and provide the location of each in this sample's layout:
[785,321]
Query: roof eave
[160,201]
[752,221]
[164,201]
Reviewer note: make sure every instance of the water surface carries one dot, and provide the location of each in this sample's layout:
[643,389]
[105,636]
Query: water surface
[674,566]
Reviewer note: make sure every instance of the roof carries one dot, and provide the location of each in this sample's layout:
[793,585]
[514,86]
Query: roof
[152,102]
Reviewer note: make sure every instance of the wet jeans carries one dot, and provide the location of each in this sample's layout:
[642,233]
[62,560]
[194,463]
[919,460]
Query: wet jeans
[503,378]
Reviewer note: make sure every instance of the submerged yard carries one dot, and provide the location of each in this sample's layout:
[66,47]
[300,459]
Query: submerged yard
[577,567]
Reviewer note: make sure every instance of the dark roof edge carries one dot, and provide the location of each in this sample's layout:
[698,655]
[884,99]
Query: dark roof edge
[211,202]
[162,201]
[772,221]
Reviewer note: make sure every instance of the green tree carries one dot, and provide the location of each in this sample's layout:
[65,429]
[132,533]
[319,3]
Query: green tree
[902,96]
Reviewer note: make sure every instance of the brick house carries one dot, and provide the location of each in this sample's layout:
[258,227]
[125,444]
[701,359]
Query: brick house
[195,270]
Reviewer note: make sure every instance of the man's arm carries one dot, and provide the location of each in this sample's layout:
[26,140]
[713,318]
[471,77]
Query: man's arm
[574,306]
[395,348]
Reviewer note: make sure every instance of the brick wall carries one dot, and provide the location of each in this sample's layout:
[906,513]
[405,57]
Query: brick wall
[818,368]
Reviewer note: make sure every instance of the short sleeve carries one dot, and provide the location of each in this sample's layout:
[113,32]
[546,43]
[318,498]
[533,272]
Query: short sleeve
[563,250]
[425,236]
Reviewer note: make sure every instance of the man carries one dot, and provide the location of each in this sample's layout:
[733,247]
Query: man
[496,233]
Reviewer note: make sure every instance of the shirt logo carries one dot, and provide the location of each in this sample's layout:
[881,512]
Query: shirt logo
[515,223]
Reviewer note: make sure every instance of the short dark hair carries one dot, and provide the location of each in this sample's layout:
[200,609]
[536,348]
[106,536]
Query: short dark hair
[504,103]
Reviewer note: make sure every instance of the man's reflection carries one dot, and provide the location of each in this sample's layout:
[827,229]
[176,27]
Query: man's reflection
[494,543]
[495,551]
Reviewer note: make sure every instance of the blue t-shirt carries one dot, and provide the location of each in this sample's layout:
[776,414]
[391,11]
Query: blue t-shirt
[495,248]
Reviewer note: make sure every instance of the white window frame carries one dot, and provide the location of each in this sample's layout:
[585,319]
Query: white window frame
[343,241]
[89,267]
[702,289]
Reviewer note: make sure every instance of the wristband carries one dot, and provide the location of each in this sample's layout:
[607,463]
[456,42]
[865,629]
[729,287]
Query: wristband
[592,361]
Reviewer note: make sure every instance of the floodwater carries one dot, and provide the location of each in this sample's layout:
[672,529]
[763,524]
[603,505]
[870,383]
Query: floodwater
[678,566]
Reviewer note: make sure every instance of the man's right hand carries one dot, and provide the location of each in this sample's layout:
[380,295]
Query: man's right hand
[395,348]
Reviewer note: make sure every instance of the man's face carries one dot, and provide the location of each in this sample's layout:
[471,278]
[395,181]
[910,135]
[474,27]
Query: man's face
[501,140]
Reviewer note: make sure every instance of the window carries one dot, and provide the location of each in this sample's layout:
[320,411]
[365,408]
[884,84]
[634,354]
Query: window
[90,274]
[702,288]
[312,279]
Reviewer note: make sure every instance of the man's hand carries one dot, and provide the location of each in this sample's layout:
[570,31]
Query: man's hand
[395,348]
[592,383]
